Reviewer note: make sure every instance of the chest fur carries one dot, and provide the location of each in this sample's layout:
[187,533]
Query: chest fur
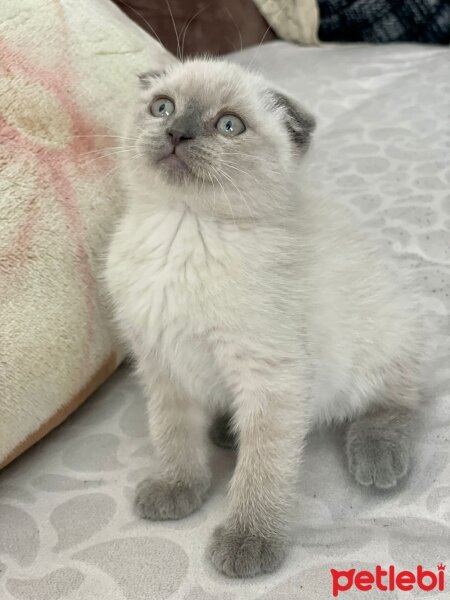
[173,271]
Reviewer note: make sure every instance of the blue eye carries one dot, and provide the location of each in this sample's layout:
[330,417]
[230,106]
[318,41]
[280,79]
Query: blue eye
[230,125]
[163,107]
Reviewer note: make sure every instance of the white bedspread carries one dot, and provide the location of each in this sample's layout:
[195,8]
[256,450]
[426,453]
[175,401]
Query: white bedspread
[67,530]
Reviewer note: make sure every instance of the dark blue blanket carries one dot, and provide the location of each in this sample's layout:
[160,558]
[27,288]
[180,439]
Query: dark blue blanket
[376,21]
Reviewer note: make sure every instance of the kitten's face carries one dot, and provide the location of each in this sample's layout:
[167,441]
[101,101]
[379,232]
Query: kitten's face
[214,130]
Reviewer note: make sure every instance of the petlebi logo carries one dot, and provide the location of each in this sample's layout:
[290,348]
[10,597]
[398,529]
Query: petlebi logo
[388,580]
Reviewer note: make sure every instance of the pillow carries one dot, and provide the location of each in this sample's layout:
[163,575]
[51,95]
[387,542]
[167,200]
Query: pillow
[67,70]
[292,20]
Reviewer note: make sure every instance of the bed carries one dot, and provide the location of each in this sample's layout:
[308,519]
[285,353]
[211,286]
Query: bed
[67,528]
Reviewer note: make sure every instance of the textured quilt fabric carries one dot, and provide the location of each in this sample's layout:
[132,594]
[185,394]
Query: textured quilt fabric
[67,68]
[67,529]
[376,21]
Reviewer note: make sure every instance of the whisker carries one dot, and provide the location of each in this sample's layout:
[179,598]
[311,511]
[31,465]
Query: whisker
[94,135]
[140,15]
[239,192]
[235,24]
[111,154]
[225,194]
[109,176]
[186,27]
[175,29]
[214,190]
[107,150]
[231,166]
[200,191]
[255,158]
[259,47]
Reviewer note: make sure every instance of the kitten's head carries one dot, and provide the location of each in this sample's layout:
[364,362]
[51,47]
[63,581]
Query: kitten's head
[213,130]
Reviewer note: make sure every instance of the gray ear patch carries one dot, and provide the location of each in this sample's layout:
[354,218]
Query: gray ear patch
[299,122]
[147,79]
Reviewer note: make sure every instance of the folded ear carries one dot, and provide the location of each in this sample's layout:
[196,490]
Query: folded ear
[146,80]
[299,122]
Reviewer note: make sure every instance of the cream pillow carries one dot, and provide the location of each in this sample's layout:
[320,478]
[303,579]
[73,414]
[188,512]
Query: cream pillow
[67,70]
[293,20]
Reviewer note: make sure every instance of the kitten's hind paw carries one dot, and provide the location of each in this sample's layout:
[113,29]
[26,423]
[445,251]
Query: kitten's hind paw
[245,555]
[159,500]
[379,450]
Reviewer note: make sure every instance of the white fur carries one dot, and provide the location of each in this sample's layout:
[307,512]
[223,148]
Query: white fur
[256,296]
[338,313]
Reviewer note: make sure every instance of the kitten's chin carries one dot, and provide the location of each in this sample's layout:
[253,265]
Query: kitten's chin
[174,169]
[173,161]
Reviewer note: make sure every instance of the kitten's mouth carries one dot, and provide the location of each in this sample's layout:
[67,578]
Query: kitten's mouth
[179,164]
[171,159]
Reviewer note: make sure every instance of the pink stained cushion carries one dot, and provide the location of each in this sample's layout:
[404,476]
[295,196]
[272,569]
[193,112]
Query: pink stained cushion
[67,73]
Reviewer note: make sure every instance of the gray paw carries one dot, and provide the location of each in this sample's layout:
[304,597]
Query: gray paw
[245,555]
[221,432]
[160,500]
[377,457]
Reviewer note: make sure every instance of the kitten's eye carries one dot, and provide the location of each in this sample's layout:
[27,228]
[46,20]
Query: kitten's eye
[163,107]
[230,125]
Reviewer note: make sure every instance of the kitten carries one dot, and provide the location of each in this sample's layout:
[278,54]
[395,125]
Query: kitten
[242,296]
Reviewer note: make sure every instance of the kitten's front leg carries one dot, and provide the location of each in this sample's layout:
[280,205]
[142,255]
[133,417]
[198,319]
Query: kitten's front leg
[178,432]
[271,429]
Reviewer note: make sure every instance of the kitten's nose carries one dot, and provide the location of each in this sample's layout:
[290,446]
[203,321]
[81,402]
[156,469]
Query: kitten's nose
[177,136]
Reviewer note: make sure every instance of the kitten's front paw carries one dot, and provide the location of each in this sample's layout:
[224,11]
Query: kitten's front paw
[377,459]
[245,555]
[160,500]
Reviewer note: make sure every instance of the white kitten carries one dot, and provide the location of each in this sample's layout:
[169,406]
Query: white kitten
[242,295]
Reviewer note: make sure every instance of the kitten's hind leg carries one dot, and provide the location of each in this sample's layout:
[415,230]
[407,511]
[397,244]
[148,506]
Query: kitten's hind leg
[379,444]
[221,432]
